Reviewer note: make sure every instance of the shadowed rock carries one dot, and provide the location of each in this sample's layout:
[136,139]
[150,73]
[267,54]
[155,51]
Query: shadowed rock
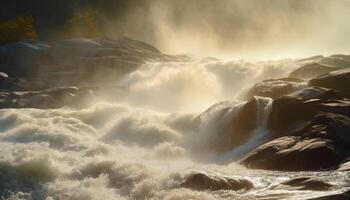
[292,111]
[338,80]
[340,196]
[322,144]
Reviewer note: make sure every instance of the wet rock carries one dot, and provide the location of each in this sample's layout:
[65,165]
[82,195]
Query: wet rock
[234,123]
[306,183]
[345,195]
[275,88]
[338,80]
[345,166]
[201,181]
[312,70]
[292,111]
[322,144]
[293,154]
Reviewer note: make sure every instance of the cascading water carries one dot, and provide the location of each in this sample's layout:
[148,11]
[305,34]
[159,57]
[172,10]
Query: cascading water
[143,145]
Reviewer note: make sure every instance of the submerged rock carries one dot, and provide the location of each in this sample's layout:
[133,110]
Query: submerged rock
[305,183]
[201,181]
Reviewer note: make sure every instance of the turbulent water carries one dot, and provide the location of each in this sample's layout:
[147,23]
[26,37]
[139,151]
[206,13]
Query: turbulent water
[142,145]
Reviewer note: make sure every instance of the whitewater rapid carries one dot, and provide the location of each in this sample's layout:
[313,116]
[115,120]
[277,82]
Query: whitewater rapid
[143,145]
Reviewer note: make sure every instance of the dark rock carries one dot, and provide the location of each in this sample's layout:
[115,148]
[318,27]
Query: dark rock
[275,88]
[338,80]
[200,181]
[294,110]
[77,61]
[322,144]
[306,183]
[345,195]
[312,70]
[293,154]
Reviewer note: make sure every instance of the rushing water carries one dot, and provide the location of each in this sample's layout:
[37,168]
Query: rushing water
[144,144]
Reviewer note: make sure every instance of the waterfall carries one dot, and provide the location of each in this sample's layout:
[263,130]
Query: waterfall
[257,137]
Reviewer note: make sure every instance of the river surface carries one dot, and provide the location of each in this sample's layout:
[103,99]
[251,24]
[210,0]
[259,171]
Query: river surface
[143,144]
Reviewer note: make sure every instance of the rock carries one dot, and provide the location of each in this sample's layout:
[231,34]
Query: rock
[293,154]
[294,110]
[305,183]
[77,61]
[338,60]
[343,195]
[201,181]
[275,88]
[234,123]
[322,144]
[344,166]
[312,70]
[338,80]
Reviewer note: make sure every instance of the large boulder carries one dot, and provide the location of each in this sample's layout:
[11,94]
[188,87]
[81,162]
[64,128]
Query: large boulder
[322,144]
[312,70]
[338,80]
[340,195]
[275,88]
[292,111]
[201,181]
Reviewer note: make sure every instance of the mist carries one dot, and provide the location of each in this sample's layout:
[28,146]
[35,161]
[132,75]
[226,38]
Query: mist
[264,29]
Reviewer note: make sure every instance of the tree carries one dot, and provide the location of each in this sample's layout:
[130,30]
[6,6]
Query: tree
[18,29]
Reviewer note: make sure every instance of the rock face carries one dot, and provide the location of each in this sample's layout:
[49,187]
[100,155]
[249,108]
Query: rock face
[312,70]
[200,181]
[294,110]
[338,80]
[275,88]
[54,97]
[78,60]
[340,196]
[322,144]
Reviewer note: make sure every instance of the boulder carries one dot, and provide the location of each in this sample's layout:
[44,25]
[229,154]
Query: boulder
[322,144]
[201,181]
[341,195]
[292,111]
[312,70]
[338,80]
[275,88]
